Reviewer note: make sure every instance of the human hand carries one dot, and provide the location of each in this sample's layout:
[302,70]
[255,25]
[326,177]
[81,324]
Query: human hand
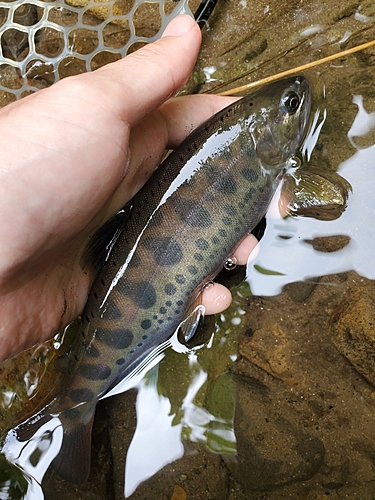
[72,156]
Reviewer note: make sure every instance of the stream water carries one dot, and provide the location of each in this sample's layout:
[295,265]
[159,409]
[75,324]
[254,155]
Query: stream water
[279,401]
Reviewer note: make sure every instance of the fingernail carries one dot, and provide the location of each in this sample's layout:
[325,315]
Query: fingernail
[179,26]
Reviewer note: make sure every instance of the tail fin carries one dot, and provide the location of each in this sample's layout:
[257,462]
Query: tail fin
[74,458]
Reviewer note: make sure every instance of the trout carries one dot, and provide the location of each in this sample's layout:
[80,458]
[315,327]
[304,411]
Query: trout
[182,226]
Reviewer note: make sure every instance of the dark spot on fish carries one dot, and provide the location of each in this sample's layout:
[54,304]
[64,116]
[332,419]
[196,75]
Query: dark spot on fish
[212,256]
[118,339]
[92,315]
[95,295]
[144,337]
[114,263]
[140,344]
[168,303]
[215,240]
[202,244]
[226,221]
[226,184]
[102,281]
[169,318]
[199,257]
[162,310]
[156,219]
[192,213]
[249,174]
[155,317]
[170,289]
[145,201]
[87,318]
[111,310]
[192,270]
[179,302]
[120,361]
[223,233]
[72,413]
[135,261]
[181,159]
[92,352]
[146,324]
[160,321]
[177,311]
[80,395]
[180,278]
[249,195]
[144,295]
[165,250]
[95,372]
[230,210]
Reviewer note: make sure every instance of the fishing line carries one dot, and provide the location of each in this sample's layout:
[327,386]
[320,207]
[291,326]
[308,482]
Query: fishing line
[298,69]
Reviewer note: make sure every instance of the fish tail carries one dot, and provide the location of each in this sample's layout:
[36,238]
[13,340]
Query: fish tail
[74,458]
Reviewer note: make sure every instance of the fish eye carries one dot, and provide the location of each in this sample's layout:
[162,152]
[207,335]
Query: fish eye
[290,102]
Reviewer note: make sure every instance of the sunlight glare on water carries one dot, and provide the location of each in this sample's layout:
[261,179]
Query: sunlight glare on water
[284,249]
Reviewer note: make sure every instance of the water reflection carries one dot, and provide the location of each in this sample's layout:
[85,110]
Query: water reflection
[162,432]
[154,433]
[31,458]
[286,248]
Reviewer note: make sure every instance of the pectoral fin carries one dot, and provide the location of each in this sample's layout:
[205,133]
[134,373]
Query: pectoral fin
[101,242]
[315,193]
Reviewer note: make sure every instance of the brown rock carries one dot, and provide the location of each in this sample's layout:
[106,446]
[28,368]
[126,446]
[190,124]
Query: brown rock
[353,329]
[271,449]
[269,348]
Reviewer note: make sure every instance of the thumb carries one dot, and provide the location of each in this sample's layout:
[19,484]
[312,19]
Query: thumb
[142,81]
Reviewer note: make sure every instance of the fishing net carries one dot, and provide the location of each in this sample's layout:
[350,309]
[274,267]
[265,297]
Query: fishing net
[44,41]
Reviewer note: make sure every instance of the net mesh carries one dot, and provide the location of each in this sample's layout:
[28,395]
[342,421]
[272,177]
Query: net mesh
[44,41]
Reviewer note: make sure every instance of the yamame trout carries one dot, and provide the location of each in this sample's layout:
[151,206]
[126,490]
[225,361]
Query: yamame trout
[183,225]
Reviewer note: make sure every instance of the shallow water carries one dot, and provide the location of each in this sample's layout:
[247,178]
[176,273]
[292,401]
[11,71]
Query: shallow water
[279,402]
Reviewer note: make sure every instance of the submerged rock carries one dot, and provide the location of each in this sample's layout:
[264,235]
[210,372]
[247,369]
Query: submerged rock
[353,329]
[272,450]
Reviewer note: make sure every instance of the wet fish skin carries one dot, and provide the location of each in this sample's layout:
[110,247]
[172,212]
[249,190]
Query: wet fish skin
[183,224]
